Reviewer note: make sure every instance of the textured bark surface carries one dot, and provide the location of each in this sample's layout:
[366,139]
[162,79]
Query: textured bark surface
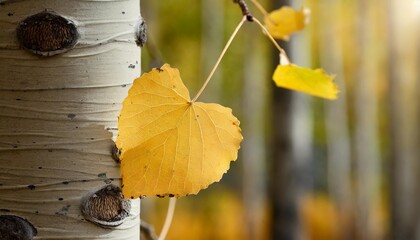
[58,116]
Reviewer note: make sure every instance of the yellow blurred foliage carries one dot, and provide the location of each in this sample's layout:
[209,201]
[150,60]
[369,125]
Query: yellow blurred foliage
[216,214]
[320,218]
[220,214]
[221,217]
[284,21]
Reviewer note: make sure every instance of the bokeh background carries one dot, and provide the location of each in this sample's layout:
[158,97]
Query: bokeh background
[308,168]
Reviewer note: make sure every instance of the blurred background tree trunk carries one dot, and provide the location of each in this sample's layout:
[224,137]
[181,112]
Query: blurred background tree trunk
[367,159]
[404,119]
[288,167]
[283,181]
[212,30]
[255,91]
[339,157]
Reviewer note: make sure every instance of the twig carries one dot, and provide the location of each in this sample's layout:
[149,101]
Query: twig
[281,50]
[147,231]
[168,220]
[245,10]
[260,7]
[220,58]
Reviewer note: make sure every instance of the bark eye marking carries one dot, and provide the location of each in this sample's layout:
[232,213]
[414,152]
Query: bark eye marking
[71,116]
[141,32]
[116,153]
[13,227]
[47,33]
[106,207]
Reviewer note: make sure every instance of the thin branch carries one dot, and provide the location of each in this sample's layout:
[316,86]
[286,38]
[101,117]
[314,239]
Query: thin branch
[260,7]
[245,10]
[220,58]
[281,50]
[168,220]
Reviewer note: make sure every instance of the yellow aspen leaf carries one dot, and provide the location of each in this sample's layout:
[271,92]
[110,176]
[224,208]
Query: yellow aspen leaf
[315,82]
[284,21]
[169,145]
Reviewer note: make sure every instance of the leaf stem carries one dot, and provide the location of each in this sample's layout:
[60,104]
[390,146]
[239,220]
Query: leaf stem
[244,18]
[260,7]
[281,50]
[168,220]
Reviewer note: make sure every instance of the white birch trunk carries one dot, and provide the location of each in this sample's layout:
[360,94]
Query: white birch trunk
[58,116]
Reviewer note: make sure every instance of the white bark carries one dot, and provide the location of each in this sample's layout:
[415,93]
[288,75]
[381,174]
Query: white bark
[56,113]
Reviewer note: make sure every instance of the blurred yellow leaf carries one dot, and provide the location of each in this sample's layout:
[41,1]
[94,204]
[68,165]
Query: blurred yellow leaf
[315,82]
[169,145]
[284,21]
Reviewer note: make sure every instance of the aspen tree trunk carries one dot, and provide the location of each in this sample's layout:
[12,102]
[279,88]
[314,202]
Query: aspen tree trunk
[366,134]
[337,126]
[212,44]
[285,172]
[404,119]
[58,116]
[254,119]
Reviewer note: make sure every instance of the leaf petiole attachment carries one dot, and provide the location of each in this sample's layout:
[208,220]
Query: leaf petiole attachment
[260,7]
[281,50]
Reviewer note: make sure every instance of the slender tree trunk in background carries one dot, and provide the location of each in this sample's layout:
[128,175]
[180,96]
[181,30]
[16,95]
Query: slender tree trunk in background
[282,170]
[254,121]
[404,116]
[366,134]
[302,117]
[285,176]
[58,116]
[212,45]
[302,124]
[336,120]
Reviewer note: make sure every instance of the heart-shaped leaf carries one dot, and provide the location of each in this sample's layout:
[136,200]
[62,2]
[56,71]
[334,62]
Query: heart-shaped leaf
[171,146]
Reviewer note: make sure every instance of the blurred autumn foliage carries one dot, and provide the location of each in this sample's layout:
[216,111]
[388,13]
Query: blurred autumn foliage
[347,169]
